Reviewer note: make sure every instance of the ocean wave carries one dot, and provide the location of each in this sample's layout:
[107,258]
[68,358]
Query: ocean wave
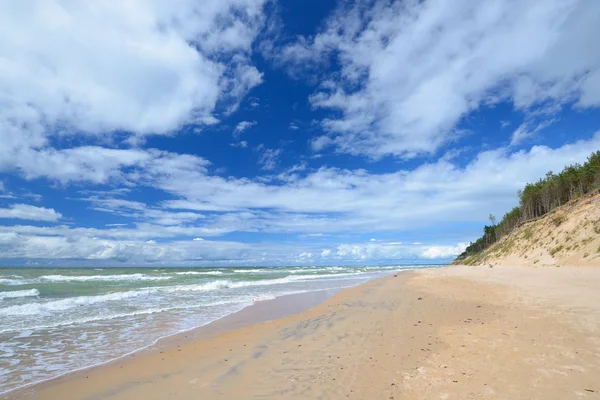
[71,302]
[147,311]
[65,304]
[318,269]
[12,280]
[199,287]
[199,273]
[250,270]
[121,277]
[19,293]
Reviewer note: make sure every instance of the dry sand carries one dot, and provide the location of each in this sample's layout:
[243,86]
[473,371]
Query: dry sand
[448,333]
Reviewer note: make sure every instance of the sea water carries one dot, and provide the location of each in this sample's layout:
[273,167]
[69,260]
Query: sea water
[53,321]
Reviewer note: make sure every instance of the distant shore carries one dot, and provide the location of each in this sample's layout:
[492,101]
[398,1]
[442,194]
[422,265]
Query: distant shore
[449,333]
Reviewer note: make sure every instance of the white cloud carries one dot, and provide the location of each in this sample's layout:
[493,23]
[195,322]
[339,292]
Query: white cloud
[15,246]
[18,245]
[294,126]
[140,211]
[29,212]
[269,158]
[375,251]
[410,70]
[242,126]
[337,200]
[527,130]
[243,144]
[434,252]
[93,68]
[254,102]
[198,239]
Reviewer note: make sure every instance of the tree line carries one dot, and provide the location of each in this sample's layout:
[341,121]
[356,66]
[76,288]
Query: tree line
[538,199]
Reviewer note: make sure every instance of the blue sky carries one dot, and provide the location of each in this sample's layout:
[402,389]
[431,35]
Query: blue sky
[251,132]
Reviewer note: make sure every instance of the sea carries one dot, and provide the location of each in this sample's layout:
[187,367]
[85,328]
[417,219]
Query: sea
[53,321]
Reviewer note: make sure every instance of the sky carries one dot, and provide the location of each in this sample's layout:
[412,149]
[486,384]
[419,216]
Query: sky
[282,132]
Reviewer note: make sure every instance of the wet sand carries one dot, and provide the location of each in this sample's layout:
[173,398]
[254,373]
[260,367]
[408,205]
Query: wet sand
[447,333]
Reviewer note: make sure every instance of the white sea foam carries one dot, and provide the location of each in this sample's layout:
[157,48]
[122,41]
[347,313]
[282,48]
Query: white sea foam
[199,287]
[199,273]
[19,293]
[105,316]
[11,281]
[250,270]
[65,304]
[71,302]
[121,277]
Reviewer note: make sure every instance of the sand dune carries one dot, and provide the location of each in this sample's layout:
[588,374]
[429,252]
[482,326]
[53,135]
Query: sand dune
[567,236]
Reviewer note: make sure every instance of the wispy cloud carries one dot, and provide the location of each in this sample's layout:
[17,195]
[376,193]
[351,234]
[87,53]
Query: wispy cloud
[243,144]
[528,130]
[268,158]
[243,126]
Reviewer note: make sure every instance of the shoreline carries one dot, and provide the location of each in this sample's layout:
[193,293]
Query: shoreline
[258,312]
[451,333]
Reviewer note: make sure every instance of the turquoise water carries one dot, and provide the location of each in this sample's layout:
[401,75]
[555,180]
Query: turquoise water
[53,321]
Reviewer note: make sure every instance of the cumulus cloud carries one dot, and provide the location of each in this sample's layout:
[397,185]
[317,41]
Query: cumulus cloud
[18,245]
[15,246]
[434,252]
[411,70]
[95,68]
[325,253]
[29,212]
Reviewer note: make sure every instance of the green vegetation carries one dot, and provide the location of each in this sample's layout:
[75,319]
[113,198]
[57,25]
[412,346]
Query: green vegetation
[528,233]
[538,199]
[598,251]
[558,219]
[556,250]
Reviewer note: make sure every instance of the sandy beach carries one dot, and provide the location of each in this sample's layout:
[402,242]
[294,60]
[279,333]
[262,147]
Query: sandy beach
[444,333]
